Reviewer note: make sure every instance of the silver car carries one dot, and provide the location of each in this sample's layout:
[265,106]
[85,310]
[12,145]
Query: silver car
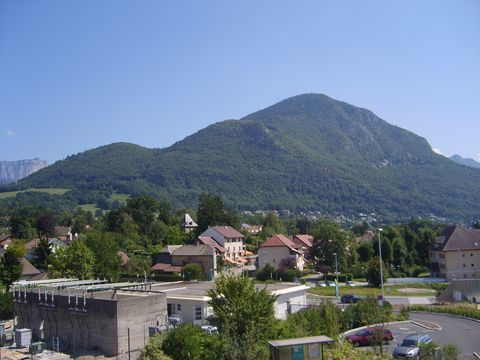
[410,346]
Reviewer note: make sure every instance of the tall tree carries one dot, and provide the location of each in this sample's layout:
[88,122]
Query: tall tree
[143,211]
[10,266]
[329,238]
[244,313]
[46,224]
[43,252]
[104,248]
[211,211]
[21,227]
[75,261]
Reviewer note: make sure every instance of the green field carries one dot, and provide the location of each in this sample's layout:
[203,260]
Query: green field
[51,191]
[390,290]
[89,207]
[120,197]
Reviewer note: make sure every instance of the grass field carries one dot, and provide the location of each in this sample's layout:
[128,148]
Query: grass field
[390,290]
[51,191]
[89,207]
[119,197]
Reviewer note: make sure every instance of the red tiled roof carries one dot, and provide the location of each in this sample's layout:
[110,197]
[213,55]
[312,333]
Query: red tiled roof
[32,244]
[166,268]
[307,240]
[207,240]
[280,240]
[228,232]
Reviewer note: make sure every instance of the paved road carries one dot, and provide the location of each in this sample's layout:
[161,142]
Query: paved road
[463,333]
[396,301]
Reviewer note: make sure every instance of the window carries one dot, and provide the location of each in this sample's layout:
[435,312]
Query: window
[471,254]
[198,313]
[472,265]
[463,265]
[179,307]
[463,255]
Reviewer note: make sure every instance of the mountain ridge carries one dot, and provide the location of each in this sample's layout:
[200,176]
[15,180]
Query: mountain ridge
[11,171]
[308,152]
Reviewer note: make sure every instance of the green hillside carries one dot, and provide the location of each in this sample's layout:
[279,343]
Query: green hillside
[308,152]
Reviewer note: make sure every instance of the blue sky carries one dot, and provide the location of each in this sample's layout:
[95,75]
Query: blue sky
[75,75]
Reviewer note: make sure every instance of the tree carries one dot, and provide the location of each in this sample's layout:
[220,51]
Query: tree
[21,228]
[46,224]
[399,248]
[120,221]
[329,239]
[139,265]
[104,248]
[43,252]
[366,312]
[244,314]
[373,272]
[365,251]
[211,211]
[10,266]
[193,271]
[143,211]
[76,261]
[188,341]
[153,349]
[6,305]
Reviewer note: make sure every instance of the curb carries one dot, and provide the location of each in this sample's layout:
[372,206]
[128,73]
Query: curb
[439,328]
[443,314]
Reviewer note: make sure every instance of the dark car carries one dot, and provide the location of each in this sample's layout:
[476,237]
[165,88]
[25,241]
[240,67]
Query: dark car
[349,299]
[370,336]
[410,346]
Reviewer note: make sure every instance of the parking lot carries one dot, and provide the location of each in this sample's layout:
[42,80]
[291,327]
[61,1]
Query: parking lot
[462,333]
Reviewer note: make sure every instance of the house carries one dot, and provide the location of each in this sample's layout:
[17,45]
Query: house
[190,300]
[166,269]
[28,270]
[187,224]
[455,254]
[204,255]
[207,240]
[277,249]
[230,239]
[54,243]
[305,242]
[252,229]
[165,255]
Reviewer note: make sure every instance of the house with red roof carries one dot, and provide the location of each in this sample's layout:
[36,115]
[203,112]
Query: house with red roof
[278,250]
[229,239]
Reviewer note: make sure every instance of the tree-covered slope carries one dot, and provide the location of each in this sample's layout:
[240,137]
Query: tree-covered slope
[308,152]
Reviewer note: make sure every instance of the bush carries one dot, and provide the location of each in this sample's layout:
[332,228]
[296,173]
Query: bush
[449,352]
[458,310]
[193,271]
[266,273]
[6,305]
[367,312]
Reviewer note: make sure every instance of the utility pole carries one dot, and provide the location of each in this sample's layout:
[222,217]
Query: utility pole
[381,263]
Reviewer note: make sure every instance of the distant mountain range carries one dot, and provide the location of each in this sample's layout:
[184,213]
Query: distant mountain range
[465,161]
[11,171]
[308,152]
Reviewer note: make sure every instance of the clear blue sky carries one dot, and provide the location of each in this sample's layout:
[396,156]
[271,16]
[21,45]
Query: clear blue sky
[75,75]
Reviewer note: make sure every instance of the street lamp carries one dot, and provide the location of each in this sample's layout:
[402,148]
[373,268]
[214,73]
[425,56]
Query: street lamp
[337,293]
[381,262]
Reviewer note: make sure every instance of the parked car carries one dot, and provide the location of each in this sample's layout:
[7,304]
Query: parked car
[370,336]
[410,346]
[349,299]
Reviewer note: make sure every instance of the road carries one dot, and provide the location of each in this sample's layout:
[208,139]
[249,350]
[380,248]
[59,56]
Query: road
[463,333]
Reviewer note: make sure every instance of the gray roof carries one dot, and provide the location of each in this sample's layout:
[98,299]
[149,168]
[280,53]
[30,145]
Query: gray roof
[170,249]
[301,341]
[193,250]
[456,238]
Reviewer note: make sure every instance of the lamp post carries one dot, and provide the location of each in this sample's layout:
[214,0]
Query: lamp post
[337,292]
[381,262]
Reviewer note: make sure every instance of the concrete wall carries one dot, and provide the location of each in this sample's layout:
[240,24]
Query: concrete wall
[94,329]
[137,313]
[290,303]
[100,326]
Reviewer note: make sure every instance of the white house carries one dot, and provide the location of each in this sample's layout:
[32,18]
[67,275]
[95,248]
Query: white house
[278,248]
[189,300]
[230,239]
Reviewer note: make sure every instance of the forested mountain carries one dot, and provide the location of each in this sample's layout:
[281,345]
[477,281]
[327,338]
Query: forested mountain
[308,152]
[465,161]
[11,171]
